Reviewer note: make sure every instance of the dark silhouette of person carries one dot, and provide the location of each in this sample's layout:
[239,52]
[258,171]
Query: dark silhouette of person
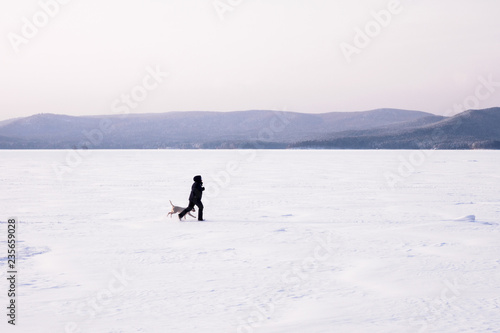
[195,198]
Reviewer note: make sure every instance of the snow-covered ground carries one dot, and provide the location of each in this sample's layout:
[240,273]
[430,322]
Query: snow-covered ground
[294,241]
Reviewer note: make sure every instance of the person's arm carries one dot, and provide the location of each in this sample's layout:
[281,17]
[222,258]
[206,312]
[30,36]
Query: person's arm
[197,189]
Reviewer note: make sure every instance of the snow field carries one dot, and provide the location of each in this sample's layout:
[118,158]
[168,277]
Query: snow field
[295,241]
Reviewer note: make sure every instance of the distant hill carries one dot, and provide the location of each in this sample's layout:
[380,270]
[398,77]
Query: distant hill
[473,129]
[190,129]
[381,128]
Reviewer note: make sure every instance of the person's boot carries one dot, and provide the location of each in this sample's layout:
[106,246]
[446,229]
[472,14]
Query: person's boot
[200,215]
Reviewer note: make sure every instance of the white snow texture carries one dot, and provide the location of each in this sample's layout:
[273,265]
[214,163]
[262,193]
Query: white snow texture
[294,241]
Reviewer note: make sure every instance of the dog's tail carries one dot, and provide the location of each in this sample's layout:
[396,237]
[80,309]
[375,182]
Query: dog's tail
[171,203]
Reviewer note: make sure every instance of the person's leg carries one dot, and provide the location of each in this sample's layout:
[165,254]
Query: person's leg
[185,211]
[200,210]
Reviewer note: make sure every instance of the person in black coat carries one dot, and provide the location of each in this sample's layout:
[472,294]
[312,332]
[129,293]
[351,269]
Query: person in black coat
[195,198]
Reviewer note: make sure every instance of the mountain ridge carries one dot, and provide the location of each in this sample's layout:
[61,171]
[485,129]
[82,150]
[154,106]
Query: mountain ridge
[375,129]
[472,129]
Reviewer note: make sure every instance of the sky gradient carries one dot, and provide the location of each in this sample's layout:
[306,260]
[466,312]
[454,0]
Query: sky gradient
[93,57]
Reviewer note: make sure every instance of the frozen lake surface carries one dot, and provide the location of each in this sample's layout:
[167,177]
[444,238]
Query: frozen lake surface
[294,241]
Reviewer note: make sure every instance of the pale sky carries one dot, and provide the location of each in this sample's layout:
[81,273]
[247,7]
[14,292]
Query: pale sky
[88,57]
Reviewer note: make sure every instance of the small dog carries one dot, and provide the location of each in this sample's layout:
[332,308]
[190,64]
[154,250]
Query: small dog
[177,210]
